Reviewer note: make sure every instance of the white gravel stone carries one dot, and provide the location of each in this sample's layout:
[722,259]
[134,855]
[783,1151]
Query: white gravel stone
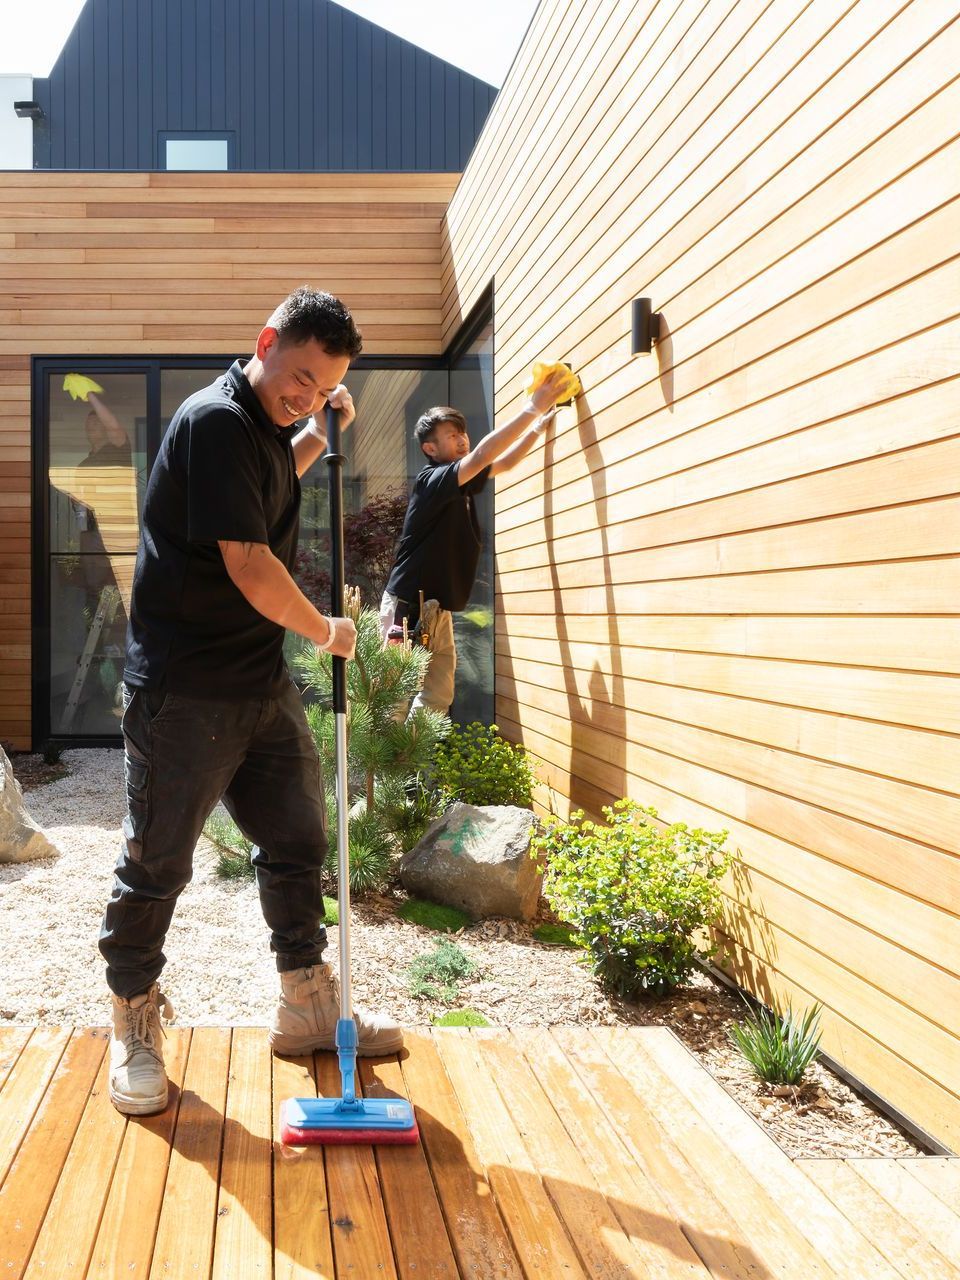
[219,967]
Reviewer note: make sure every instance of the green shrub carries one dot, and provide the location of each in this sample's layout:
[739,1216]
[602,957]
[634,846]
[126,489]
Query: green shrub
[634,891]
[437,975]
[555,935]
[779,1046]
[407,808]
[433,915]
[52,751]
[461,1018]
[233,847]
[476,765]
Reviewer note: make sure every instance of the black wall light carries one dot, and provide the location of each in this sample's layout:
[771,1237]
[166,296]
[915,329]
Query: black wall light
[28,110]
[645,328]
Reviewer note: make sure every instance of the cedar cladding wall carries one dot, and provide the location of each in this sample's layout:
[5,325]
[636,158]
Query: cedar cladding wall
[727,585]
[136,263]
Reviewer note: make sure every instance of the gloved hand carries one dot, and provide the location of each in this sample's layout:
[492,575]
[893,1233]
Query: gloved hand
[342,640]
[79,386]
[569,382]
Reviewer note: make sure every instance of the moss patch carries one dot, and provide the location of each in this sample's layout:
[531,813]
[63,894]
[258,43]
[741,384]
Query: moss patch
[461,1018]
[554,935]
[433,916]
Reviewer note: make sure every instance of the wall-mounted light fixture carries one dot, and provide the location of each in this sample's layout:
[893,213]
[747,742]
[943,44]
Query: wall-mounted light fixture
[28,110]
[645,327]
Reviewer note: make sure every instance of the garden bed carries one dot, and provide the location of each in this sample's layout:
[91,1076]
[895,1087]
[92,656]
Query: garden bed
[220,972]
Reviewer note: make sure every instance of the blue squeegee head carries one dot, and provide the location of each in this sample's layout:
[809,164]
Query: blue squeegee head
[306,1122]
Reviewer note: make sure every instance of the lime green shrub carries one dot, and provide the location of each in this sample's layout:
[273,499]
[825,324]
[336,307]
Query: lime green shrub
[461,1018]
[635,892]
[476,765]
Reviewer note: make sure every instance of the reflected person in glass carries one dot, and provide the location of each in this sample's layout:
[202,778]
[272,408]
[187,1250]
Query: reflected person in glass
[441,540]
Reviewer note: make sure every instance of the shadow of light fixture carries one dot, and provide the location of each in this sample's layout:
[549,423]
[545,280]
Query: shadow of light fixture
[28,110]
[645,327]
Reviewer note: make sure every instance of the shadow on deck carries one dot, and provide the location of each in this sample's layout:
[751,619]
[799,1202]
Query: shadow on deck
[563,1153]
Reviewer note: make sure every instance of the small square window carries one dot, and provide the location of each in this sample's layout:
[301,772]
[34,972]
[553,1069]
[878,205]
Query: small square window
[197,153]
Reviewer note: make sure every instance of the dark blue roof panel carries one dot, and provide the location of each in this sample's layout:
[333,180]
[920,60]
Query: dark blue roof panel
[294,84]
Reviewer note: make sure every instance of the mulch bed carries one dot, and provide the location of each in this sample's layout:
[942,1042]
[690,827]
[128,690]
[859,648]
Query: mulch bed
[519,981]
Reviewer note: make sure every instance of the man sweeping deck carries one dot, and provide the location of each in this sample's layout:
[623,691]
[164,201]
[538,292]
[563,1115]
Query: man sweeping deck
[210,710]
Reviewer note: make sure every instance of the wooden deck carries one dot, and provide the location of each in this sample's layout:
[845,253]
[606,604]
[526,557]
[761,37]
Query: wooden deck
[572,1153]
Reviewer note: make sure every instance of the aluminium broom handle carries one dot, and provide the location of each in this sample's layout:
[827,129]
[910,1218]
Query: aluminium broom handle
[335,459]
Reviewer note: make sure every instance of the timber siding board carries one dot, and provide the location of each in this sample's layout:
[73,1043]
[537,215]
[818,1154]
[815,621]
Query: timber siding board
[103,265]
[727,583]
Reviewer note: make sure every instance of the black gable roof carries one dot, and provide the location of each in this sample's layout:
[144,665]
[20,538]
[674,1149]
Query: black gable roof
[295,84]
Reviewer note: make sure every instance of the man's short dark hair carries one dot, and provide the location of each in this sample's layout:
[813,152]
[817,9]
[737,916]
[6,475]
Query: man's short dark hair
[309,313]
[428,422]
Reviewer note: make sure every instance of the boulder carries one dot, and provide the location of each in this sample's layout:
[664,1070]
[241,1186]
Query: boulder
[477,858]
[21,839]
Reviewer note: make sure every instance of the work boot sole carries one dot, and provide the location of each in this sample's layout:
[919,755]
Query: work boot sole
[295,1046]
[128,1106]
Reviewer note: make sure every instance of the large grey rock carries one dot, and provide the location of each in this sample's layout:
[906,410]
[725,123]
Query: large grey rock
[477,858]
[21,839]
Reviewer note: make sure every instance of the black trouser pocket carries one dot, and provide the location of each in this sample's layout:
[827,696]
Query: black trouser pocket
[136,773]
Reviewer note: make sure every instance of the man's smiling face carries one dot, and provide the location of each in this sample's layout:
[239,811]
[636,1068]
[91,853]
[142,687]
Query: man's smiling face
[295,378]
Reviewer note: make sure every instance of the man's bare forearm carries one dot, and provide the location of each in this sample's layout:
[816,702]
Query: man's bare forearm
[266,585]
[307,448]
[491,446]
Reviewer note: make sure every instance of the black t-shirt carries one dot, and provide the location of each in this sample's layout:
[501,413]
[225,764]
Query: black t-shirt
[224,472]
[439,548]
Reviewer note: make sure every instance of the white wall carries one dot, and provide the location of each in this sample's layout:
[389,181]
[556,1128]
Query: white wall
[16,135]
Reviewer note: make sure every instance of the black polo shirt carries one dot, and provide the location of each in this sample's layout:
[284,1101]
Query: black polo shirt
[439,547]
[224,472]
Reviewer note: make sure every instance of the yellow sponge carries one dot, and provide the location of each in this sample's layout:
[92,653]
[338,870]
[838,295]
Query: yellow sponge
[542,371]
[79,386]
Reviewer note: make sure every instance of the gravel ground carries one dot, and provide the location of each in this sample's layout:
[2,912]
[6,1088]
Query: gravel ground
[219,969]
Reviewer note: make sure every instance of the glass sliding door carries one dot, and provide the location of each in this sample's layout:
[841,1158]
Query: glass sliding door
[93,451]
[97,428]
[96,472]
[471,391]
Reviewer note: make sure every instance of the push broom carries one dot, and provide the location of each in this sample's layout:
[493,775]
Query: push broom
[347,1119]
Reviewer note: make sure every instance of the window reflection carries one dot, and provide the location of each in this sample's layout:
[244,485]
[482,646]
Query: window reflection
[97,472]
[471,391]
[100,446]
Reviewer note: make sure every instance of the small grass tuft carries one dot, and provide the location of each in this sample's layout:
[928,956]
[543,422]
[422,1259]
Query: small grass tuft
[437,974]
[555,935]
[461,1018]
[433,915]
[779,1046]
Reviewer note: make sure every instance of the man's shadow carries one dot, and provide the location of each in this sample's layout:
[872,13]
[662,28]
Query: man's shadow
[598,717]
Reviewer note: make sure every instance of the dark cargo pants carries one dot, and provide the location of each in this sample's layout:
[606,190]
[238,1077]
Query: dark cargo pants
[182,755]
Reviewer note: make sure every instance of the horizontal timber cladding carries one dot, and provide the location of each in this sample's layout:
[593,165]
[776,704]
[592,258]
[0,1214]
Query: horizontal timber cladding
[727,583]
[128,264]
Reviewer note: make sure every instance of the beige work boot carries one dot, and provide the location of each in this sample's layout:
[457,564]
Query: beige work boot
[138,1080]
[306,1017]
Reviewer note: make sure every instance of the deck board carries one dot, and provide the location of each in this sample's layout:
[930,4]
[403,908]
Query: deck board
[597,1153]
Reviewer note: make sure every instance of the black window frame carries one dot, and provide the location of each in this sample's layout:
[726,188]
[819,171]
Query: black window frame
[152,368]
